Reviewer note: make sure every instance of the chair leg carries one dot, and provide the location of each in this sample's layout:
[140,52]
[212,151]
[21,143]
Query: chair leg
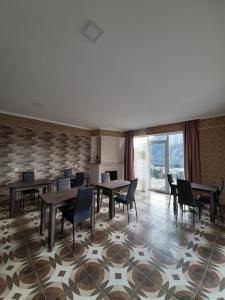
[169,201]
[91,229]
[135,209]
[62,226]
[199,211]
[221,212]
[193,214]
[73,238]
[21,199]
[128,213]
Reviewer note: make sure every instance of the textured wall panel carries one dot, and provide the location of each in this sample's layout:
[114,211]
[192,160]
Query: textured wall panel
[47,153]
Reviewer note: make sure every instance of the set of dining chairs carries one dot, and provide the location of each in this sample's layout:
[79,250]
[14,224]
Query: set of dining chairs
[80,209]
[71,181]
[186,197]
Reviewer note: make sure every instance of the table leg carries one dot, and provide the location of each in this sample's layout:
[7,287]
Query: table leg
[212,207]
[12,202]
[111,205]
[98,198]
[43,216]
[51,227]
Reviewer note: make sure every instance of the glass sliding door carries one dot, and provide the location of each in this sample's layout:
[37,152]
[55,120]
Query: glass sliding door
[158,164]
[176,155]
[166,155]
[154,157]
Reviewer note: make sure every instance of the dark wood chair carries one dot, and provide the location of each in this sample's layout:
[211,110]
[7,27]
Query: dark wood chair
[68,173]
[105,177]
[78,181]
[28,176]
[173,189]
[206,199]
[82,210]
[129,197]
[185,197]
[63,184]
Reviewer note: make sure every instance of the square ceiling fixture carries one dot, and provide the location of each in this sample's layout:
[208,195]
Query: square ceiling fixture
[91,31]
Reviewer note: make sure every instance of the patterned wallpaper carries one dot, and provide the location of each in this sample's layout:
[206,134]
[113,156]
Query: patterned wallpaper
[47,153]
[212,151]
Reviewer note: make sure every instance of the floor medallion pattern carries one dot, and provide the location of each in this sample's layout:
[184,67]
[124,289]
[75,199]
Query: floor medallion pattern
[156,257]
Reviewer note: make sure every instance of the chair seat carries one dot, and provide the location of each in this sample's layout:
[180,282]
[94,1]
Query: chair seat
[121,198]
[30,191]
[204,199]
[76,218]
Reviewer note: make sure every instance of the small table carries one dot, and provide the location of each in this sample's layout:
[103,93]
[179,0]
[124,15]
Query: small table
[109,189]
[210,189]
[55,200]
[22,186]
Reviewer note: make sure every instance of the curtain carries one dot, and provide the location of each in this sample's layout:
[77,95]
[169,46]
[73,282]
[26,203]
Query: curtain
[141,162]
[129,156]
[192,164]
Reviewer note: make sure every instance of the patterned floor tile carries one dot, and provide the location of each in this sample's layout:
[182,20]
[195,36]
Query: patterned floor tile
[157,256]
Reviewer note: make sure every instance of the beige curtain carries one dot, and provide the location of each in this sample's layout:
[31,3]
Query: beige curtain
[141,167]
[192,164]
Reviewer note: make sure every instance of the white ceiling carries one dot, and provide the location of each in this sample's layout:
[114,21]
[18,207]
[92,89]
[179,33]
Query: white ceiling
[157,62]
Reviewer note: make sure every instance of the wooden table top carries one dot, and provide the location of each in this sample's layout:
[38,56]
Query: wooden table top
[201,187]
[22,184]
[59,196]
[114,184]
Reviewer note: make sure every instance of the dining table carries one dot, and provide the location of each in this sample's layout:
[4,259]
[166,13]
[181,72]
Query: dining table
[109,189]
[20,186]
[209,189]
[54,200]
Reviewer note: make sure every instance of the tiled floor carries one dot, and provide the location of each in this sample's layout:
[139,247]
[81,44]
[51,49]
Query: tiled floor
[155,257]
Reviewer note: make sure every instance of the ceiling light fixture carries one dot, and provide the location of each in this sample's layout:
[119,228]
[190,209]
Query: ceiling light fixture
[91,31]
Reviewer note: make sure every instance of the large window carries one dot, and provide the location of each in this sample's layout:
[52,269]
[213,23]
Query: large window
[157,155]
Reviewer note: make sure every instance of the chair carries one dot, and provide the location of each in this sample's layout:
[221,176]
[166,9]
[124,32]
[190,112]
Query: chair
[173,189]
[105,177]
[206,199]
[185,197]
[82,210]
[129,197]
[78,181]
[63,184]
[68,173]
[28,177]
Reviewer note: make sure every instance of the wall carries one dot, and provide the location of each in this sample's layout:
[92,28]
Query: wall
[212,151]
[47,153]
[212,147]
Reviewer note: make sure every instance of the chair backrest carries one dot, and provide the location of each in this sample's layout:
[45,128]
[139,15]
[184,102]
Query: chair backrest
[131,190]
[185,194]
[63,184]
[105,177]
[173,189]
[83,202]
[28,176]
[170,179]
[220,186]
[68,173]
[79,179]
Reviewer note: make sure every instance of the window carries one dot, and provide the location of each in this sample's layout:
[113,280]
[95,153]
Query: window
[157,155]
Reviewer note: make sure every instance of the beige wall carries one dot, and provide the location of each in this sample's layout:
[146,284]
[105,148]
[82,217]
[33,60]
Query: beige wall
[212,147]
[212,151]
[47,153]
